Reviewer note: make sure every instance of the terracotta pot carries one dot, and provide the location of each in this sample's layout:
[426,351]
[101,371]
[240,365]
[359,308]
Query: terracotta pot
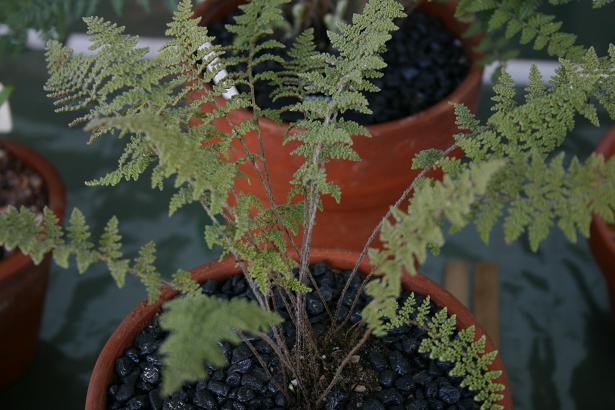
[22,284]
[103,373]
[371,186]
[602,237]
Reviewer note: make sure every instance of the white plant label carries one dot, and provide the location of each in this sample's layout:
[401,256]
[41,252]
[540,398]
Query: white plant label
[231,92]
[6,122]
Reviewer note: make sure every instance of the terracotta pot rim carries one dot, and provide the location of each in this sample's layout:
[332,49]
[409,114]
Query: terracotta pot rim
[602,229]
[470,82]
[56,198]
[138,318]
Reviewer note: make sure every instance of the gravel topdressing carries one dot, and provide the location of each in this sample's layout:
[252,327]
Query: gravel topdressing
[425,63]
[19,186]
[390,373]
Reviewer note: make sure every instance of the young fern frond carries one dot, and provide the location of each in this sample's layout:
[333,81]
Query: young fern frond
[303,58]
[339,87]
[461,348]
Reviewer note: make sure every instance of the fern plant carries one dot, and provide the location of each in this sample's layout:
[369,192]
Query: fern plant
[510,171]
[529,21]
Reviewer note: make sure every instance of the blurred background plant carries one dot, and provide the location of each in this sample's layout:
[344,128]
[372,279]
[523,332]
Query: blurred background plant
[36,21]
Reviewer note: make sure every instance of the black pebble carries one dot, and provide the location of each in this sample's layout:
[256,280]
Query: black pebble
[146,343]
[408,380]
[205,399]
[150,374]
[335,400]
[405,383]
[449,394]
[137,403]
[245,394]
[377,360]
[373,404]
[390,397]
[123,366]
[155,401]
[386,378]
[210,287]
[417,404]
[218,388]
[399,363]
[125,392]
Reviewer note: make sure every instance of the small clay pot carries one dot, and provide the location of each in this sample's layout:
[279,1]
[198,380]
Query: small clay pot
[602,236]
[103,374]
[22,284]
[371,186]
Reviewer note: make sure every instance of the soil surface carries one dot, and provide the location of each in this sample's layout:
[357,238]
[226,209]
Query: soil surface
[388,373]
[19,186]
[425,63]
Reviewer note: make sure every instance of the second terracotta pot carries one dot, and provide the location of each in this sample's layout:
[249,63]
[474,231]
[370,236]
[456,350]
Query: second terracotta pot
[23,285]
[371,186]
[122,338]
[602,236]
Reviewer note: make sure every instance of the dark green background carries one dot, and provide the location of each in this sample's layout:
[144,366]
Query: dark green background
[557,339]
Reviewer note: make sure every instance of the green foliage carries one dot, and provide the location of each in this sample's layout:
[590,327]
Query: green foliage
[503,20]
[197,324]
[165,111]
[182,281]
[303,59]
[36,236]
[340,80]
[469,356]
[51,18]
[537,192]
[443,342]
[407,239]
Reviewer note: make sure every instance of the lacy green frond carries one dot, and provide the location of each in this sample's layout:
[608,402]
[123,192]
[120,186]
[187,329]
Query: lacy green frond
[531,192]
[534,196]
[445,343]
[503,20]
[303,58]
[407,239]
[541,123]
[22,229]
[208,321]
[468,354]
[338,83]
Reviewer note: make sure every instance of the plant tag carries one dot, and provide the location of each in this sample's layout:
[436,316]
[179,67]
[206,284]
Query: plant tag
[6,121]
[231,92]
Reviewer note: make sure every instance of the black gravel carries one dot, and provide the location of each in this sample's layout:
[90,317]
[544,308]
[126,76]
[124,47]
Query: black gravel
[405,379]
[425,62]
[19,186]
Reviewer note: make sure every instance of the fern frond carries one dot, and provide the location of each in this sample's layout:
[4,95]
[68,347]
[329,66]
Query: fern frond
[503,20]
[407,239]
[210,321]
[21,229]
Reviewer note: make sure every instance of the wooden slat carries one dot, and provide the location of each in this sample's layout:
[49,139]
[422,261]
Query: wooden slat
[457,280]
[486,298]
